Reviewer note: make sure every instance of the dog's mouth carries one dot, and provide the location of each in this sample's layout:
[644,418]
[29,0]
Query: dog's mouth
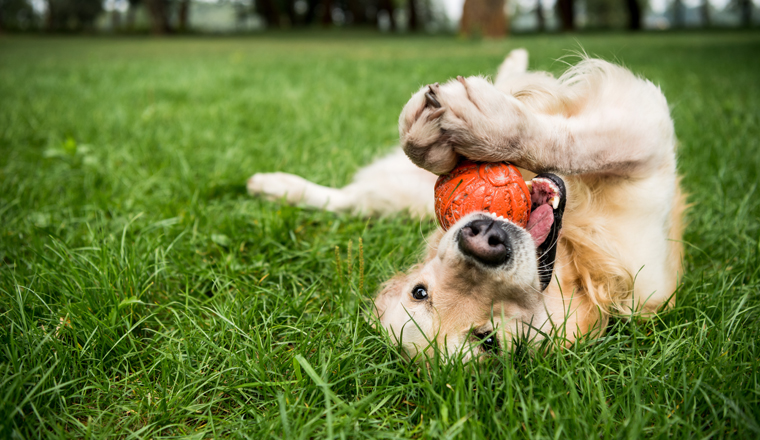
[488,238]
[548,197]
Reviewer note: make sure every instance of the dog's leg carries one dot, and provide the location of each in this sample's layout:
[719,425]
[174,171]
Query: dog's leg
[515,64]
[611,123]
[390,184]
[295,190]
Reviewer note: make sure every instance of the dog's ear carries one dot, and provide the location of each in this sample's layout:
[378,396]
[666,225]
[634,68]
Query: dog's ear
[389,292]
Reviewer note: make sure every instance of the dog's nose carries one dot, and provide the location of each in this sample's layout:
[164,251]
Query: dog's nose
[485,241]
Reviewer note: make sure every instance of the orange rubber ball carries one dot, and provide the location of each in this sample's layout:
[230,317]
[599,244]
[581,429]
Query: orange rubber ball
[497,188]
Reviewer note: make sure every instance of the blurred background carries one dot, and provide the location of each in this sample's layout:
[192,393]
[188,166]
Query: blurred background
[474,18]
[144,294]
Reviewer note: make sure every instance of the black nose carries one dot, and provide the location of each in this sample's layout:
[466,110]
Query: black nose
[485,241]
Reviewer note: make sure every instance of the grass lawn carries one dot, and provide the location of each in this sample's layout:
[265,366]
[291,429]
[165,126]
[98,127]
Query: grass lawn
[144,294]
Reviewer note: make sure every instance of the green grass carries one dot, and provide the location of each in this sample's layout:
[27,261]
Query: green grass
[144,294]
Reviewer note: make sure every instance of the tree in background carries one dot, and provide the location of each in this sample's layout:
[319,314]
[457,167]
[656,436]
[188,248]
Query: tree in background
[385,9]
[678,13]
[613,14]
[183,16]
[305,13]
[745,11]
[540,19]
[16,15]
[159,15]
[327,7]
[270,11]
[634,14]
[484,18]
[566,10]
[479,17]
[158,11]
[704,10]
[72,15]
[133,4]
[413,11]
[358,10]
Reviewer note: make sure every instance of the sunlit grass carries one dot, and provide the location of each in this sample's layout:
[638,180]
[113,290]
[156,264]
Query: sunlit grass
[143,293]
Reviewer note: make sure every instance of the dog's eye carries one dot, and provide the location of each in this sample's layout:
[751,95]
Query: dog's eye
[490,343]
[419,292]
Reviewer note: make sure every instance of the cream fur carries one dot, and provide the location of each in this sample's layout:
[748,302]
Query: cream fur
[606,132]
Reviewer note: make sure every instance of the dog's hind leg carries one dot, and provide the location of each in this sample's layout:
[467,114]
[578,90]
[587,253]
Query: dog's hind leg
[515,64]
[297,190]
[390,184]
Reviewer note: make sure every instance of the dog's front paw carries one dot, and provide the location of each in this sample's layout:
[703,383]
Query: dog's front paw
[464,117]
[275,186]
[422,136]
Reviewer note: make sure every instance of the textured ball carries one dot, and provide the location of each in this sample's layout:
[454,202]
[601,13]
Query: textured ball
[497,188]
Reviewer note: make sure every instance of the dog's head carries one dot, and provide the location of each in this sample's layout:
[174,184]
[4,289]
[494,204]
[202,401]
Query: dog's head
[481,281]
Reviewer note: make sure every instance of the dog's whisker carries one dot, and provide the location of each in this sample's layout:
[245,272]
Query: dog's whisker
[422,234]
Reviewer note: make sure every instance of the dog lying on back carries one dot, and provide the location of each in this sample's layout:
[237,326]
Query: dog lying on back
[597,145]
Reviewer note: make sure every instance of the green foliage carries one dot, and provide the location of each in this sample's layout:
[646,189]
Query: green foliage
[72,15]
[144,294]
[606,14]
[16,15]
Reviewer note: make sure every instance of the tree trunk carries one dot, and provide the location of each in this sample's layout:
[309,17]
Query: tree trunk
[677,13]
[634,15]
[49,21]
[387,5]
[567,14]
[326,12]
[159,16]
[270,11]
[130,22]
[745,6]
[485,18]
[540,19]
[359,11]
[290,10]
[311,11]
[115,20]
[183,16]
[705,10]
[413,16]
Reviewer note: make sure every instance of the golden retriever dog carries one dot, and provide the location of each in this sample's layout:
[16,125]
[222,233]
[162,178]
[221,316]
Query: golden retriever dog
[597,149]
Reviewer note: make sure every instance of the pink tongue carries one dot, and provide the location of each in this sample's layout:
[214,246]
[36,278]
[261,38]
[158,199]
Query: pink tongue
[540,223]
